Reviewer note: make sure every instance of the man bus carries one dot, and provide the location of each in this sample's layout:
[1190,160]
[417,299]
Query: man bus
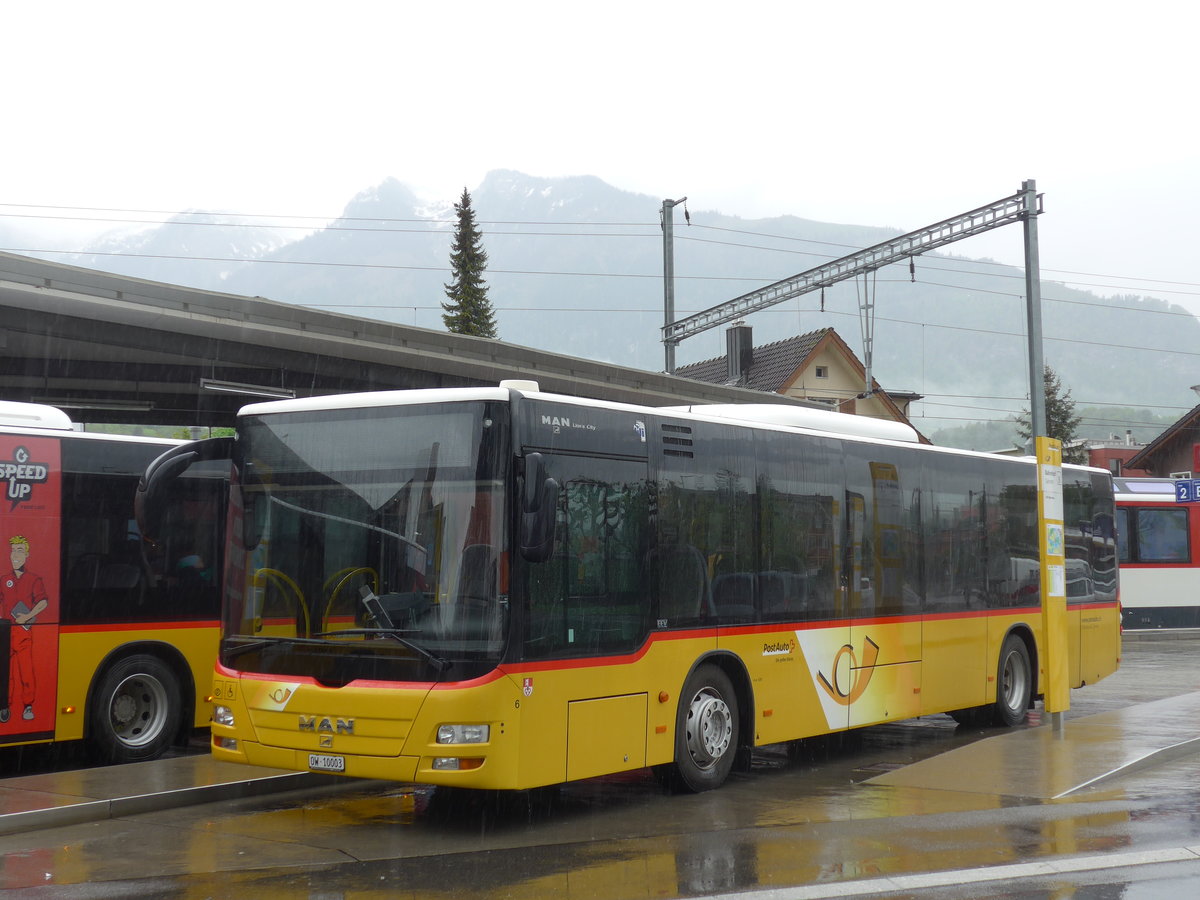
[502,588]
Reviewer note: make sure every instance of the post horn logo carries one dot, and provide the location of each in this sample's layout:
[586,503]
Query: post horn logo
[860,674]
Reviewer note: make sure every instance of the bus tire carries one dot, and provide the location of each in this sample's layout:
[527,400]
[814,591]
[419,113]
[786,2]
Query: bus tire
[706,731]
[135,710]
[1014,683]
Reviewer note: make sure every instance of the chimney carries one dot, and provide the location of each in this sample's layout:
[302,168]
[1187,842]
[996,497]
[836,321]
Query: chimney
[1128,437]
[739,352]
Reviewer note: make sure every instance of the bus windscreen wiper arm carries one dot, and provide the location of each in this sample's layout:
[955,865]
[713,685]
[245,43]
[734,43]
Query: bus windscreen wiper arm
[386,629]
[396,634]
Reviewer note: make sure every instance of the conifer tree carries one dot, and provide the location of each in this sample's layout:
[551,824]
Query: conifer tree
[1061,421]
[468,311]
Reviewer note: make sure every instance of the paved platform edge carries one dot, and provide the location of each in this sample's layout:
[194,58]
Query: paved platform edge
[1160,634]
[1154,758]
[1169,747]
[98,810]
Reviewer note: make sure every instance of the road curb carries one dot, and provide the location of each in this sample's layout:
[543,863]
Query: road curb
[91,810]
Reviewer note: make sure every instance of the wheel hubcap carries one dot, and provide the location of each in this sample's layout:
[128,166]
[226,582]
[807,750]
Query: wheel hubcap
[1014,682]
[709,728]
[138,710]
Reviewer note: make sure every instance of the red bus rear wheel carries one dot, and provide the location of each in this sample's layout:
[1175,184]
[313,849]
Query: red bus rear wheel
[135,710]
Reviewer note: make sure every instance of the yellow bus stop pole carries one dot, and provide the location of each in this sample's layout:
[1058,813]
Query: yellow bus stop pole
[1052,551]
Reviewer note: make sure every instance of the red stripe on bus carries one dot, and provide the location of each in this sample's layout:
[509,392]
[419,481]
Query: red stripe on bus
[135,626]
[710,633]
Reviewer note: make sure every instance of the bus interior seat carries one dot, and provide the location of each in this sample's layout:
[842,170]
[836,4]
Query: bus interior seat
[118,576]
[733,595]
[781,591]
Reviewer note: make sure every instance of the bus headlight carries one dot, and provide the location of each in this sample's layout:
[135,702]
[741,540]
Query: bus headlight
[222,715]
[463,734]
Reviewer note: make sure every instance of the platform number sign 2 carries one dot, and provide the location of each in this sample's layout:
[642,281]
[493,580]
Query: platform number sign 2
[1187,490]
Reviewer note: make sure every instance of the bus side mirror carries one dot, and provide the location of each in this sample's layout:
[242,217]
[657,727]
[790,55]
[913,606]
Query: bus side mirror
[150,499]
[539,500]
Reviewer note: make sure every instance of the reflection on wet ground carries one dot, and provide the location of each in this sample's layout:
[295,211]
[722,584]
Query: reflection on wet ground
[809,815]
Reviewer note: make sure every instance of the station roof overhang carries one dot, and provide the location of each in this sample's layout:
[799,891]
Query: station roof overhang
[113,349]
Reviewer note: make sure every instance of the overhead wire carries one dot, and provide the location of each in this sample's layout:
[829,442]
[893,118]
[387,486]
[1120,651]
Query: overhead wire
[557,224]
[655,276]
[927,265]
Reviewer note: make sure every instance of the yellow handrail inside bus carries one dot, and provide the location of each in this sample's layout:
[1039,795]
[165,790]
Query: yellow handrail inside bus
[345,575]
[285,582]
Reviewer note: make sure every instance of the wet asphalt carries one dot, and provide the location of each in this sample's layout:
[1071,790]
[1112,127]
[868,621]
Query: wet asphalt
[841,817]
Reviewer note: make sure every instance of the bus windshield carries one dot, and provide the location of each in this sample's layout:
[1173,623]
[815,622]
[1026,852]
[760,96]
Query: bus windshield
[369,543]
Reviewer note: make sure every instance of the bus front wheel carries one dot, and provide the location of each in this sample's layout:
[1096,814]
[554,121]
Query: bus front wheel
[706,731]
[135,710]
[1014,682]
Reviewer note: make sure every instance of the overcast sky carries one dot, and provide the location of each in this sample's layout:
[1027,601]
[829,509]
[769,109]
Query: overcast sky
[867,112]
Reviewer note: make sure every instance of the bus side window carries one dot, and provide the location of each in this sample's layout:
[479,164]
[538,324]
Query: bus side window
[590,595]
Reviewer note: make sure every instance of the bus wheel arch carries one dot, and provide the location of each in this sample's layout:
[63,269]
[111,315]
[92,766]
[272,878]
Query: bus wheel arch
[139,702]
[712,726]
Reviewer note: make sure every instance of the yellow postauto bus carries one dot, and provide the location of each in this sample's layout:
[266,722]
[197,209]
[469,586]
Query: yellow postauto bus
[105,637]
[504,588]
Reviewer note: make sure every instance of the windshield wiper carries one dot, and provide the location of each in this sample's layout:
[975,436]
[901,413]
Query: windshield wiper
[396,634]
[260,643]
[385,628]
[438,664]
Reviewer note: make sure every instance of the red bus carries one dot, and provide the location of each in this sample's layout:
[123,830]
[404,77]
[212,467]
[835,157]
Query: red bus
[106,638]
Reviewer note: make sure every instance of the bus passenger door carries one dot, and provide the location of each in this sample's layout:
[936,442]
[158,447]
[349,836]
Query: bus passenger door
[833,657]
[589,602]
[879,672]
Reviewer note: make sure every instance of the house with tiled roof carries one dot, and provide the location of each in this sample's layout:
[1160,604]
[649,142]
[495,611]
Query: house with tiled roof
[1175,452]
[818,366]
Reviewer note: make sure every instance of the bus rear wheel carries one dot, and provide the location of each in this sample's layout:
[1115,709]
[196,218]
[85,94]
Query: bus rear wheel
[1014,683]
[135,711]
[706,731]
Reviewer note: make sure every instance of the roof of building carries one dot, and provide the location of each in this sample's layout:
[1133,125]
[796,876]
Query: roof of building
[1184,429]
[773,367]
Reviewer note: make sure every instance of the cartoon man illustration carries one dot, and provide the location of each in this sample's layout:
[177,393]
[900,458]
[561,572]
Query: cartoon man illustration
[22,598]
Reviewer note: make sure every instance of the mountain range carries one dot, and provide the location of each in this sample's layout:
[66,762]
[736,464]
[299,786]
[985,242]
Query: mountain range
[576,266]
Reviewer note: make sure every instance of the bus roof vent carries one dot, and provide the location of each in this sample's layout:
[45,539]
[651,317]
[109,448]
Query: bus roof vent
[521,384]
[33,415]
[677,440]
